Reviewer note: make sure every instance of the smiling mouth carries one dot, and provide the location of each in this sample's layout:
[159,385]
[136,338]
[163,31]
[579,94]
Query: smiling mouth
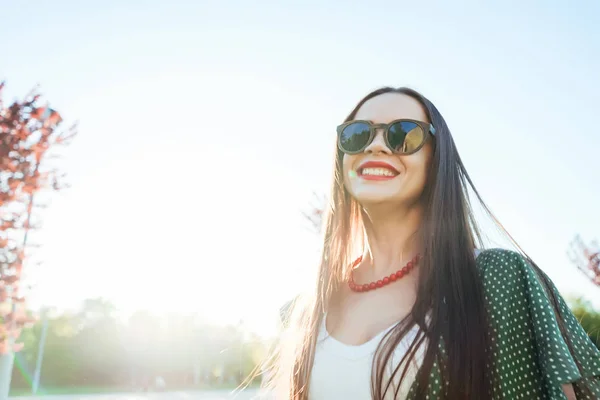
[377,173]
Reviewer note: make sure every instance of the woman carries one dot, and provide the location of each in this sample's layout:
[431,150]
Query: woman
[405,306]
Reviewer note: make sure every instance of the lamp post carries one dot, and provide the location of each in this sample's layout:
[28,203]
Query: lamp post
[6,365]
[7,360]
[40,356]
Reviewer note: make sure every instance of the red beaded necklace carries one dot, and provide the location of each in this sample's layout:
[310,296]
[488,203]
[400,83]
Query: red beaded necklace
[385,281]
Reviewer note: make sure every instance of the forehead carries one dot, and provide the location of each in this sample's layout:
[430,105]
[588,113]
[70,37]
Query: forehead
[390,106]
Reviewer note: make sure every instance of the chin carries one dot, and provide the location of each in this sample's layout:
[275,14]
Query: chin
[366,199]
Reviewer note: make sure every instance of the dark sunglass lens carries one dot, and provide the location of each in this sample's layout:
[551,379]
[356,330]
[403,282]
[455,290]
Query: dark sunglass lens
[354,137]
[405,136]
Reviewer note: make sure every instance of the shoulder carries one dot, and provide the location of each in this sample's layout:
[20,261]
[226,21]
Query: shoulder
[509,277]
[501,265]
[294,306]
[517,290]
[286,310]
[494,259]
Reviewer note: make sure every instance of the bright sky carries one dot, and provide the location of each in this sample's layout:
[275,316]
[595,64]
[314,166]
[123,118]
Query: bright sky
[206,126]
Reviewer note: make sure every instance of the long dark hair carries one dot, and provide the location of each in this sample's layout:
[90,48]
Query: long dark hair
[450,303]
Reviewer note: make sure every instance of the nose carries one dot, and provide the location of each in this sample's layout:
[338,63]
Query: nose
[378,144]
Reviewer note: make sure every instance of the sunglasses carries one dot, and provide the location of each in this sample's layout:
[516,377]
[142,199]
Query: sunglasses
[402,136]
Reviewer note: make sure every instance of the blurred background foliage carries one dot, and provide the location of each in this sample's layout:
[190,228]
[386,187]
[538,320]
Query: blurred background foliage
[94,347]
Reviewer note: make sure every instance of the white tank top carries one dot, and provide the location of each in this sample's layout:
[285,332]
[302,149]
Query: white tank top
[343,372]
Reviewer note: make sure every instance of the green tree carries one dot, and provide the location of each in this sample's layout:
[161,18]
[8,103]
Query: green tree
[589,319]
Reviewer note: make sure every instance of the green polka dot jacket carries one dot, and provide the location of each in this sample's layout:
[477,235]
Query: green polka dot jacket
[532,360]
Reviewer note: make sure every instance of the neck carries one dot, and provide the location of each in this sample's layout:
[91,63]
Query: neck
[391,237]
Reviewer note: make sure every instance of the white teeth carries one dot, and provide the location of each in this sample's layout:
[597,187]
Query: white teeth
[378,172]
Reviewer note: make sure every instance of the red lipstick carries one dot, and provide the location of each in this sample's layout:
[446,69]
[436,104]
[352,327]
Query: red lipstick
[380,165]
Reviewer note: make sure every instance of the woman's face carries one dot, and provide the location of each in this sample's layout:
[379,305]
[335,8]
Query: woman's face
[407,174]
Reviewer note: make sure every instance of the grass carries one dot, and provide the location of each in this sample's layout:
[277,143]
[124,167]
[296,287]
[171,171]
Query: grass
[66,390]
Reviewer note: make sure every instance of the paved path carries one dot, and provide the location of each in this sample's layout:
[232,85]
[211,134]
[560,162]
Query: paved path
[201,395]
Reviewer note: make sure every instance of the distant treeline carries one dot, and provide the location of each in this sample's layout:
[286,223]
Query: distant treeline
[93,348]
